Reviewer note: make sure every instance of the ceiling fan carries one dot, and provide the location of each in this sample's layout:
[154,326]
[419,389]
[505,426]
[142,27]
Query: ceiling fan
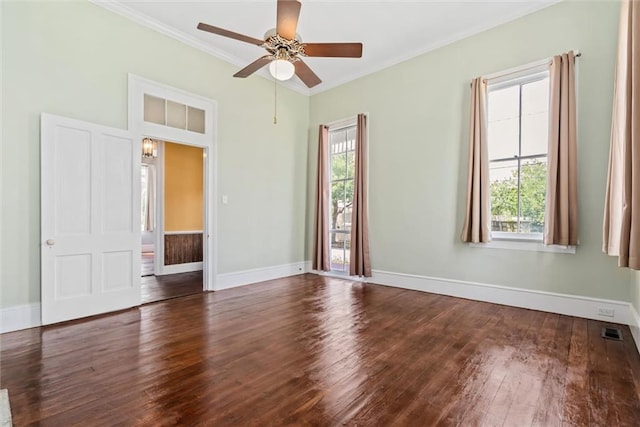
[286,48]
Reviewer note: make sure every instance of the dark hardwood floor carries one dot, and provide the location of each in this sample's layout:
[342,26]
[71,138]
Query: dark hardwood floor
[147,264]
[310,350]
[159,288]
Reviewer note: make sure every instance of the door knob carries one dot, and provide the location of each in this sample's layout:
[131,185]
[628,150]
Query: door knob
[51,242]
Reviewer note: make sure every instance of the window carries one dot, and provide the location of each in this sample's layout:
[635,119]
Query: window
[342,143]
[173,114]
[518,116]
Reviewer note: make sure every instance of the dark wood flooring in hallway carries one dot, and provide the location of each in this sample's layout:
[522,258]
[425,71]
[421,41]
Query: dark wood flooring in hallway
[160,288]
[311,350]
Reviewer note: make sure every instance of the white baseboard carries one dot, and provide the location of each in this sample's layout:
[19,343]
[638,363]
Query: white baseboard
[634,325]
[20,317]
[570,305]
[180,268]
[245,277]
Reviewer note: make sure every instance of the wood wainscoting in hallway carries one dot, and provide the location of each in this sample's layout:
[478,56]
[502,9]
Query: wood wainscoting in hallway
[311,350]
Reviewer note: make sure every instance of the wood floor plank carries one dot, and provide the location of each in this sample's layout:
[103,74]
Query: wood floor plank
[513,369]
[482,393]
[602,409]
[623,385]
[575,403]
[553,365]
[312,350]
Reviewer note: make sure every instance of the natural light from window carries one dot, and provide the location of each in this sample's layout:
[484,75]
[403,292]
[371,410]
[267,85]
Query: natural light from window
[342,158]
[518,116]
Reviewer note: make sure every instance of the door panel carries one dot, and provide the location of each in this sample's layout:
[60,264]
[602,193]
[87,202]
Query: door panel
[118,176]
[90,219]
[73,276]
[72,164]
[117,271]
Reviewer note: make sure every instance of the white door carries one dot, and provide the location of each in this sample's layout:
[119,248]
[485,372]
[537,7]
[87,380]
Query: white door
[90,224]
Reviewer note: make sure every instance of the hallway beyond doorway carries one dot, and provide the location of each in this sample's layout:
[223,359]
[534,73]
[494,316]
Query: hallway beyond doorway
[158,288]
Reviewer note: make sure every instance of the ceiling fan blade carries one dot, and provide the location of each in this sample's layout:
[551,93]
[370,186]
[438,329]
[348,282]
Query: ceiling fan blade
[287,15]
[254,66]
[305,73]
[226,33]
[342,50]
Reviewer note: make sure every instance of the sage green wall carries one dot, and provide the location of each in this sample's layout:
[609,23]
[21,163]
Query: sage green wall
[635,290]
[418,152]
[72,59]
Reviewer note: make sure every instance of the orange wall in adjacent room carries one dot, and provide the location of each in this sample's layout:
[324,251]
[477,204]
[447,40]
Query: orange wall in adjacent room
[183,190]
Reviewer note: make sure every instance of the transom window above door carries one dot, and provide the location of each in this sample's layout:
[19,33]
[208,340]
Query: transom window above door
[173,114]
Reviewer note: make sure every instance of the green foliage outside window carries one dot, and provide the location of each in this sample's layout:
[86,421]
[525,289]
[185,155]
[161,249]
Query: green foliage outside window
[504,196]
[342,167]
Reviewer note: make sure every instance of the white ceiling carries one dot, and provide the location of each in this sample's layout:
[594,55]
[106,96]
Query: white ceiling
[391,31]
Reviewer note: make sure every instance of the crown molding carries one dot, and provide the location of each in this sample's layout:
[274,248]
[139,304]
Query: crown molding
[146,21]
[433,46]
[119,8]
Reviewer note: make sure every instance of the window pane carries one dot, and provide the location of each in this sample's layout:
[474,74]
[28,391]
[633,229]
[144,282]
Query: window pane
[176,115]
[351,164]
[504,195]
[337,203]
[348,204]
[503,111]
[347,250]
[337,141]
[153,109]
[338,259]
[351,138]
[533,188]
[535,117]
[338,166]
[195,120]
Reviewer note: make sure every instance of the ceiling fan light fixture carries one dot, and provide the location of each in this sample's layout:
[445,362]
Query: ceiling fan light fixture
[282,69]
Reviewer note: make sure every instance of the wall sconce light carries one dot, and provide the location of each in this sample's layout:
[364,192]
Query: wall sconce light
[149,148]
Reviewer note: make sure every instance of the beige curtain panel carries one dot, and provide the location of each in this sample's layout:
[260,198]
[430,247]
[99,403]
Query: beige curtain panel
[321,247]
[477,221]
[561,210]
[621,228]
[359,263]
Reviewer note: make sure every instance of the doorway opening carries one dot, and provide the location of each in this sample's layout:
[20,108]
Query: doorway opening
[148,219]
[172,220]
[177,121]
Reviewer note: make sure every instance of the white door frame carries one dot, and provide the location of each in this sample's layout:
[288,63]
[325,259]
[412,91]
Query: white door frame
[138,87]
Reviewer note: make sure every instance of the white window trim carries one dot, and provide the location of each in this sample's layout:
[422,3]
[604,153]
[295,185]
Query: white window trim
[337,125]
[342,123]
[524,245]
[521,241]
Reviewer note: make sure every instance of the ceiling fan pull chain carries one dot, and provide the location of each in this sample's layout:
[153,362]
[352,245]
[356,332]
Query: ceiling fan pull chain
[275,101]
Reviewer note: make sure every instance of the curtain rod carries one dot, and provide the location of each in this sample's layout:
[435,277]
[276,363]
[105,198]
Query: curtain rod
[345,122]
[522,68]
